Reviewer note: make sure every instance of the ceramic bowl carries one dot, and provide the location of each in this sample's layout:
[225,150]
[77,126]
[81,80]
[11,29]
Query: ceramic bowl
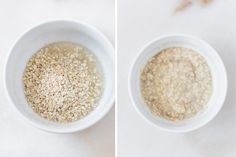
[50,32]
[218,75]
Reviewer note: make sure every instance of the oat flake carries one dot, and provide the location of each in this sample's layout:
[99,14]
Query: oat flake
[62,82]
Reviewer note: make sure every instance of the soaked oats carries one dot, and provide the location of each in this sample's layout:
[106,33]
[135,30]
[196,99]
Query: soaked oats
[176,83]
[62,82]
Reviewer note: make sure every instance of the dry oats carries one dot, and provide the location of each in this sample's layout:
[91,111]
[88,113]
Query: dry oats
[184,4]
[205,2]
[176,83]
[62,82]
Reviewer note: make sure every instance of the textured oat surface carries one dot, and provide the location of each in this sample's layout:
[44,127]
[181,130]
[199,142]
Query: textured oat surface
[62,82]
[176,83]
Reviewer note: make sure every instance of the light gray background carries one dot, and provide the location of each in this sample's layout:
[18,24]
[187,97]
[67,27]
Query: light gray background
[18,138]
[138,23]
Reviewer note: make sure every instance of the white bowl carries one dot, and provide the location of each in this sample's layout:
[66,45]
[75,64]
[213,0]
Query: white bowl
[54,31]
[218,75]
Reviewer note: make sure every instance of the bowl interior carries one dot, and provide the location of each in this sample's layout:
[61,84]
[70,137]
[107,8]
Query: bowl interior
[51,32]
[218,76]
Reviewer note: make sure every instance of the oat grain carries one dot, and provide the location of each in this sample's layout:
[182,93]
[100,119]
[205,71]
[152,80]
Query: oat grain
[62,82]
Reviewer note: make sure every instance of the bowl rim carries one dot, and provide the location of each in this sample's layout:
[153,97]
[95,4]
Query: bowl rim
[141,51]
[92,28]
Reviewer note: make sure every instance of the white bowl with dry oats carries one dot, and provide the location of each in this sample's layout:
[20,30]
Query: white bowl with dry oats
[60,76]
[178,83]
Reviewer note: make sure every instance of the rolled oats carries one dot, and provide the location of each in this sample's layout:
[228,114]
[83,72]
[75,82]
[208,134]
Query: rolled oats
[62,82]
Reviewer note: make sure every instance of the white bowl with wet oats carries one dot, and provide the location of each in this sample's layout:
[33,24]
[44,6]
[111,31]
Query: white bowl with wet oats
[60,76]
[178,83]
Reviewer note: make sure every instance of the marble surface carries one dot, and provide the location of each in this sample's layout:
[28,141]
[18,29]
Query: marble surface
[18,138]
[138,23]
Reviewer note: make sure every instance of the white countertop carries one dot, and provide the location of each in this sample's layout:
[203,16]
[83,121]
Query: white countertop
[20,139]
[138,23]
